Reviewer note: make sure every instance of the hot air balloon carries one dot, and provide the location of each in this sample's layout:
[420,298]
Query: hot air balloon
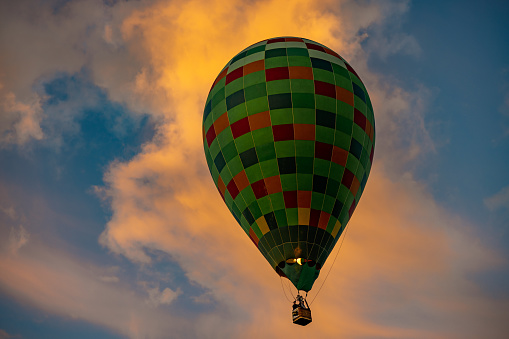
[289,133]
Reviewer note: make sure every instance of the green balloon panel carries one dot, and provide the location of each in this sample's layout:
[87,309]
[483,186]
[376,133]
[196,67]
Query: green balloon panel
[289,131]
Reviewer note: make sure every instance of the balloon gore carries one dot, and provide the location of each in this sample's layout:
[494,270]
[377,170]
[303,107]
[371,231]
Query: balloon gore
[289,134]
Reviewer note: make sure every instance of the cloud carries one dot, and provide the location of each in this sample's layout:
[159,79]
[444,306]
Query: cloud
[498,200]
[41,40]
[18,237]
[504,106]
[184,66]
[405,260]
[387,38]
[504,109]
[19,122]
[164,297]
[9,211]
[55,281]
[404,268]
[111,279]
[4,335]
[399,43]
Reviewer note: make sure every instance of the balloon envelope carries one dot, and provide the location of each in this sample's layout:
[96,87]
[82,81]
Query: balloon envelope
[289,134]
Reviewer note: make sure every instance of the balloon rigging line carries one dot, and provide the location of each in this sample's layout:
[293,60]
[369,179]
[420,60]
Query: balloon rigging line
[290,288]
[282,286]
[339,249]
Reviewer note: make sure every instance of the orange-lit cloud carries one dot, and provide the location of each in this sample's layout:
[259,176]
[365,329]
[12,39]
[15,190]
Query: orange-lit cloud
[39,40]
[19,122]
[405,258]
[59,283]
[5,335]
[498,200]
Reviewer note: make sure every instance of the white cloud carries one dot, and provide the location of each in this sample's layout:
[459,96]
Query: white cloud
[18,237]
[109,279]
[164,297]
[39,42]
[398,43]
[4,335]
[19,121]
[505,106]
[498,200]
[9,211]
[386,36]
[55,281]
[405,257]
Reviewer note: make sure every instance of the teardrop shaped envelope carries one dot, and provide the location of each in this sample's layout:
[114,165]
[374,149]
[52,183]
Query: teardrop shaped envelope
[289,135]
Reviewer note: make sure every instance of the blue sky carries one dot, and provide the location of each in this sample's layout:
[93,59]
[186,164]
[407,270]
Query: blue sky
[99,134]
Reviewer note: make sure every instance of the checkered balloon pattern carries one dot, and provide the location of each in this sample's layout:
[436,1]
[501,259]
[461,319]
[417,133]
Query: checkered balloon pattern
[289,135]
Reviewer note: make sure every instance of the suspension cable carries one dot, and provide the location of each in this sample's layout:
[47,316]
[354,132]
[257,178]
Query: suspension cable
[290,288]
[340,245]
[281,279]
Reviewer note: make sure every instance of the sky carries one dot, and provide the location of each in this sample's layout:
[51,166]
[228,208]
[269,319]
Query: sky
[110,224]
